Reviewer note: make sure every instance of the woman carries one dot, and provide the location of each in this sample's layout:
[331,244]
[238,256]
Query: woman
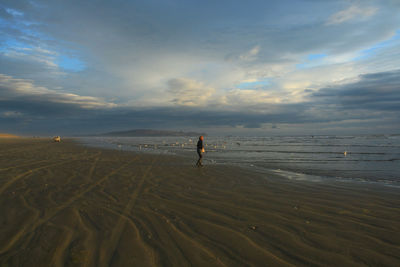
[200,151]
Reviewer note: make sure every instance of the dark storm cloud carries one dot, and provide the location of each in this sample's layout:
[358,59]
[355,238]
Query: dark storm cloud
[373,92]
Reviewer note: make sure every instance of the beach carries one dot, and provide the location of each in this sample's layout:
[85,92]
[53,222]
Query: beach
[64,204]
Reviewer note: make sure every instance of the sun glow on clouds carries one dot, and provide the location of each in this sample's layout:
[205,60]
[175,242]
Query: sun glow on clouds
[187,92]
[253,83]
[249,97]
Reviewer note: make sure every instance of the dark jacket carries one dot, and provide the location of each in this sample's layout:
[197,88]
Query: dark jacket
[200,144]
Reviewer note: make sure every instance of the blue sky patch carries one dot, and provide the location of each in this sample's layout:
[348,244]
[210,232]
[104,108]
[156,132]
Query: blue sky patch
[14,45]
[316,56]
[312,60]
[256,84]
[373,49]
[71,64]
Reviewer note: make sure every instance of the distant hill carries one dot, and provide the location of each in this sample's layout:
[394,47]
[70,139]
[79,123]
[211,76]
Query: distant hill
[148,132]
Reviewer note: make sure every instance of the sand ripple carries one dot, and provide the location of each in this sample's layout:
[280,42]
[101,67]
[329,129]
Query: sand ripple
[67,205]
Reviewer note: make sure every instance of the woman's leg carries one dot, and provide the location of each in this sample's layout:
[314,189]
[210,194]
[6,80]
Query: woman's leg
[199,163]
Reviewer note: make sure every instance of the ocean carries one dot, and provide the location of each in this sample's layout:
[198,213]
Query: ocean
[362,158]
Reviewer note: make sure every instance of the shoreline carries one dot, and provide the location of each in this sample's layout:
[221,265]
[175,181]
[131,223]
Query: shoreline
[69,204]
[290,174]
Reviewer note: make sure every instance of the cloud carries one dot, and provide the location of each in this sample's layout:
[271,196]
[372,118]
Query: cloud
[350,13]
[371,93]
[371,103]
[133,55]
[13,89]
[374,99]
[187,92]
[22,54]
[11,114]
[242,99]
[144,44]
[250,55]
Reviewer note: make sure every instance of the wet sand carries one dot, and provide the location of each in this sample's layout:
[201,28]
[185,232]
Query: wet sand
[63,204]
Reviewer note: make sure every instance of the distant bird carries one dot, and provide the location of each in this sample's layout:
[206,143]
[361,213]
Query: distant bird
[57,139]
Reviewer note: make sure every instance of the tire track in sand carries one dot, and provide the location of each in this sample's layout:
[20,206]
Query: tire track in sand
[61,248]
[89,241]
[23,165]
[29,229]
[22,175]
[19,149]
[107,252]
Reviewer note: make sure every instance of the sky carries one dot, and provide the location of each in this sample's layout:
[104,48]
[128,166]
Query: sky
[287,67]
